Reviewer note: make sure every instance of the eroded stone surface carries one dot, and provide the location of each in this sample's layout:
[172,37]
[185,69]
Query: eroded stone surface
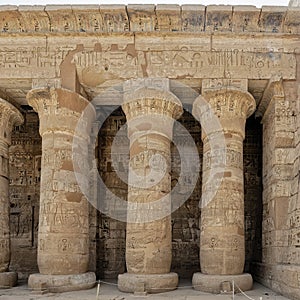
[63,227]
[61,283]
[89,49]
[222,283]
[9,117]
[8,279]
[147,283]
[222,245]
[150,125]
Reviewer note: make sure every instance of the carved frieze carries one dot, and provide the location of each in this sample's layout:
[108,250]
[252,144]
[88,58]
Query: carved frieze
[108,63]
[119,18]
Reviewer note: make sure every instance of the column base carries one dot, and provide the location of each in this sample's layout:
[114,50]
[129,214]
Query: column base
[8,280]
[217,284]
[147,283]
[61,283]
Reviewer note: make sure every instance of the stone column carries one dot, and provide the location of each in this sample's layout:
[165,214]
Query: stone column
[222,244]
[9,117]
[63,238]
[150,115]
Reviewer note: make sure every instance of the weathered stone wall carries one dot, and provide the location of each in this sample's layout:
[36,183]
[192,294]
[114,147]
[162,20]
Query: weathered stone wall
[253,190]
[111,233]
[281,218]
[185,220]
[24,192]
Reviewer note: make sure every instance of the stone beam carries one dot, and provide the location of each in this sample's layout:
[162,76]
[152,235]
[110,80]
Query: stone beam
[128,63]
[180,55]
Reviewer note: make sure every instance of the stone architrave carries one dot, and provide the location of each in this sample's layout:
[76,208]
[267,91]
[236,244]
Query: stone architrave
[63,238]
[150,113]
[9,117]
[222,241]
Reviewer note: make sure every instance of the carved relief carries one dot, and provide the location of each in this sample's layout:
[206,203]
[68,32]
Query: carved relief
[156,244]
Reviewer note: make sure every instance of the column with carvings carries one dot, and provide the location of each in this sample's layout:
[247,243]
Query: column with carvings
[9,117]
[150,110]
[222,113]
[63,237]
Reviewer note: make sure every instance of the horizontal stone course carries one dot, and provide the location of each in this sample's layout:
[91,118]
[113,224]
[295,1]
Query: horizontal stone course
[218,18]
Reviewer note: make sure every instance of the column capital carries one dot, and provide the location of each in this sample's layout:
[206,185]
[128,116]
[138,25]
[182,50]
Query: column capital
[228,102]
[147,101]
[150,96]
[9,116]
[149,105]
[60,109]
[230,105]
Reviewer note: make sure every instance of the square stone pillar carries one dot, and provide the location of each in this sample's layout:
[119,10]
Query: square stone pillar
[9,117]
[150,111]
[222,113]
[63,238]
[280,265]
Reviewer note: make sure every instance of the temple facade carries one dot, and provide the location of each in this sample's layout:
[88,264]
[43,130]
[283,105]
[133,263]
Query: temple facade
[148,144]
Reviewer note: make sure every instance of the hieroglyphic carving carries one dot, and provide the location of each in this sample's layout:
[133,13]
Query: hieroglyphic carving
[185,63]
[217,156]
[63,214]
[142,17]
[64,207]
[9,117]
[115,18]
[34,19]
[88,18]
[218,83]
[24,175]
[193,17]
[217,18]
[168,17]
[32,61]
[111,65]
[128,63]
[148,250]
[199,64]
[223,207]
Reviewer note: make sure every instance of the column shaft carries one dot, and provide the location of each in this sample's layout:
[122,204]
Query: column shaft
[222,244]
[4,209]
[63,238]
[64,220]
[150,115]
[148,244]
[9,116]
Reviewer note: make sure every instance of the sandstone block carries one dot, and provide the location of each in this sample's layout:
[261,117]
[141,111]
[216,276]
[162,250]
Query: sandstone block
[214,283]
[152,283]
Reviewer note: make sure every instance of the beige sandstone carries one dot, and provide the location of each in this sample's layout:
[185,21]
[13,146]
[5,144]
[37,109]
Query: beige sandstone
[240,59]
[9,117]
[222,247]
[150,111]
[63,227]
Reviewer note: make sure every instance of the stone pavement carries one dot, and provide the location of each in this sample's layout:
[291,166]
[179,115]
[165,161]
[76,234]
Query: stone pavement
[110,292]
